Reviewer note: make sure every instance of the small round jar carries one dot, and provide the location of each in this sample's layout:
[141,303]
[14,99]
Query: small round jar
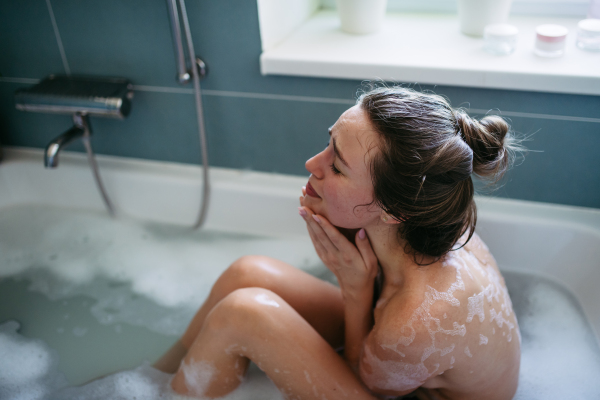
[550,40]
[500,39]
[588,34]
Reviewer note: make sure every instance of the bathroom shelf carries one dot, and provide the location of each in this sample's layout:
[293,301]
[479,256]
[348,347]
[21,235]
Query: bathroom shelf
[429,49]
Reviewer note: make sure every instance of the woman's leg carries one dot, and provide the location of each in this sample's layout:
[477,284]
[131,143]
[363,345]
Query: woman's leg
[257,324]
[318,302]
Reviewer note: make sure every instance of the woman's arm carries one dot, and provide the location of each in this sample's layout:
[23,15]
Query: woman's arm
[355,267]
[358,321]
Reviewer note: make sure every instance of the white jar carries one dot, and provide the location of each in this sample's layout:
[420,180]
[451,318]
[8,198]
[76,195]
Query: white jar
[500,39]
[550,40]
[588,34]
[361,16]
[474,15]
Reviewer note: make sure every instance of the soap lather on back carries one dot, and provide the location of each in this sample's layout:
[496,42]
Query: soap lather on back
[449,324]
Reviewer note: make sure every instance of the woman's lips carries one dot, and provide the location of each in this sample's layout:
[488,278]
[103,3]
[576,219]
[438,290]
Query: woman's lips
[311,191]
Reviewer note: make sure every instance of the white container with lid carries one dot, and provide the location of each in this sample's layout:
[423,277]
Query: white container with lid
[550,40]
[361,16]
[500,39]
[474,15]
[588,34]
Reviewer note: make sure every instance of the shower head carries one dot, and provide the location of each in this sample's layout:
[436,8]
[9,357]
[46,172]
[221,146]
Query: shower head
[104,97]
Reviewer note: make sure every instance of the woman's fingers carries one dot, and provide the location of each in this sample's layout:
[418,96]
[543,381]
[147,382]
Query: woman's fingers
[317,237]
[317,232]
[338,240]
[319,247]
[314,223]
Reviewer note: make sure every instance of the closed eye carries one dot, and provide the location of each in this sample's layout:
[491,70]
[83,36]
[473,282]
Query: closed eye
[335,170]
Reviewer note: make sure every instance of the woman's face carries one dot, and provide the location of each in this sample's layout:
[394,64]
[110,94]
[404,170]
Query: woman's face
[340,186]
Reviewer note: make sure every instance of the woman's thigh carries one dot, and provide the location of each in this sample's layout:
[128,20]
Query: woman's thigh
[257,324]
[318,302]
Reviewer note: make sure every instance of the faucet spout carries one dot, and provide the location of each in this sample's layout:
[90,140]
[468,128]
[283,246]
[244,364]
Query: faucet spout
[79,130]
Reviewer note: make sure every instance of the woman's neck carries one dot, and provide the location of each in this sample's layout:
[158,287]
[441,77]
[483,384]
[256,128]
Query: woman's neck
[390,253]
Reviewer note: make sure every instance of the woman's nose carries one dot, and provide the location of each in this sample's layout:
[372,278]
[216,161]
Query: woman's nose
[314,165]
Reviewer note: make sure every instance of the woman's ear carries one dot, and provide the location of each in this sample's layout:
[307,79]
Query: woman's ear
[388,219]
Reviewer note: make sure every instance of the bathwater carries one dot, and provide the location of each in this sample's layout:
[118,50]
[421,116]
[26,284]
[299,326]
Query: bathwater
[83,296]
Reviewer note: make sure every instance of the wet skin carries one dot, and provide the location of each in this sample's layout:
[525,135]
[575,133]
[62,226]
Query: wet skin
[447,328]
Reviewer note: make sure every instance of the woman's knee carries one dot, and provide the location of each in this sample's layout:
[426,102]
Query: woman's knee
[244,309]
[247,271]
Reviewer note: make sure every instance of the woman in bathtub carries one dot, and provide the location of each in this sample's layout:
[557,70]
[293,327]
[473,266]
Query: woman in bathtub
[421,307]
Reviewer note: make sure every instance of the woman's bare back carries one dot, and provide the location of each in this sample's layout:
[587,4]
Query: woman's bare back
[449,328]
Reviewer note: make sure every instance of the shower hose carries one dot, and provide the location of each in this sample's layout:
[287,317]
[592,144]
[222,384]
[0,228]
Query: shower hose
[200,119]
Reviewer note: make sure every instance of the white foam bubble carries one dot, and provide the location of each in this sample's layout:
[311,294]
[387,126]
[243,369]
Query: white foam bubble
[27,366]
[560,358]
[198,375]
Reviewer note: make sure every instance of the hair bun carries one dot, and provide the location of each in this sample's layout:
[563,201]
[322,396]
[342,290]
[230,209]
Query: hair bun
[490,141]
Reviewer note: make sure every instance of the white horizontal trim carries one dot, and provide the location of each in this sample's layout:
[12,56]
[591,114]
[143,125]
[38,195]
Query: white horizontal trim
[533,115]
[561,8]
[267,96]
[30,81]
[207,92]
[248,95]
[429,49]
[313,99]
[162,89]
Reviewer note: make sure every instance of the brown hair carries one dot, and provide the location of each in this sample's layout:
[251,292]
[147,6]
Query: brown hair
[422,173]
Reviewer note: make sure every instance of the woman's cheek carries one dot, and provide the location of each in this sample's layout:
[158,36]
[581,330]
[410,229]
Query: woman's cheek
[340,209]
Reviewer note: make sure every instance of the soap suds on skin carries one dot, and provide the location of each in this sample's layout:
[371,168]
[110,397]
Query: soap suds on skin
[468,352]
[393,375]
[432,324]
[407,375]
[475,306]
[198,376]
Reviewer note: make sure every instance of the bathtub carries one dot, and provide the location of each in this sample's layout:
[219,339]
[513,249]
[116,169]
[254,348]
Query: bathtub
[558,244]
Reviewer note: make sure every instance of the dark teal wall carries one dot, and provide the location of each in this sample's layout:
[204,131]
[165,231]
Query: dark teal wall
[264,123]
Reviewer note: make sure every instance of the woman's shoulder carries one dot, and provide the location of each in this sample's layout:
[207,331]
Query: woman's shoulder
[452,316]
[428,301]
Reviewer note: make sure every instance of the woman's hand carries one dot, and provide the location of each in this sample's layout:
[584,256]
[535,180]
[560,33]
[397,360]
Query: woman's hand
[354,266]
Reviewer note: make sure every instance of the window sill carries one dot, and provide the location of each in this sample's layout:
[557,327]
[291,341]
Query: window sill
[429,49]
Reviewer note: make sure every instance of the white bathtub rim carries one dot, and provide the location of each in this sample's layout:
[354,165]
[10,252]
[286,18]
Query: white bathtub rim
[278,185]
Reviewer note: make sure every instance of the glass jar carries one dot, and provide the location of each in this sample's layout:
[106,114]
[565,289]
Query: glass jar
[500,39]
[588,34]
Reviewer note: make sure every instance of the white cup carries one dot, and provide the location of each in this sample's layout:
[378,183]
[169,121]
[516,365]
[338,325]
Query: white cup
[361,16]
[474,15]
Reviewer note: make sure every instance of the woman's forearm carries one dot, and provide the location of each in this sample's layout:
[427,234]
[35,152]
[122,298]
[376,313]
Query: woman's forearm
[358,315]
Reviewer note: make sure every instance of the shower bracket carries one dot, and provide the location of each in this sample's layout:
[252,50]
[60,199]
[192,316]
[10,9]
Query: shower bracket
[185,77]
